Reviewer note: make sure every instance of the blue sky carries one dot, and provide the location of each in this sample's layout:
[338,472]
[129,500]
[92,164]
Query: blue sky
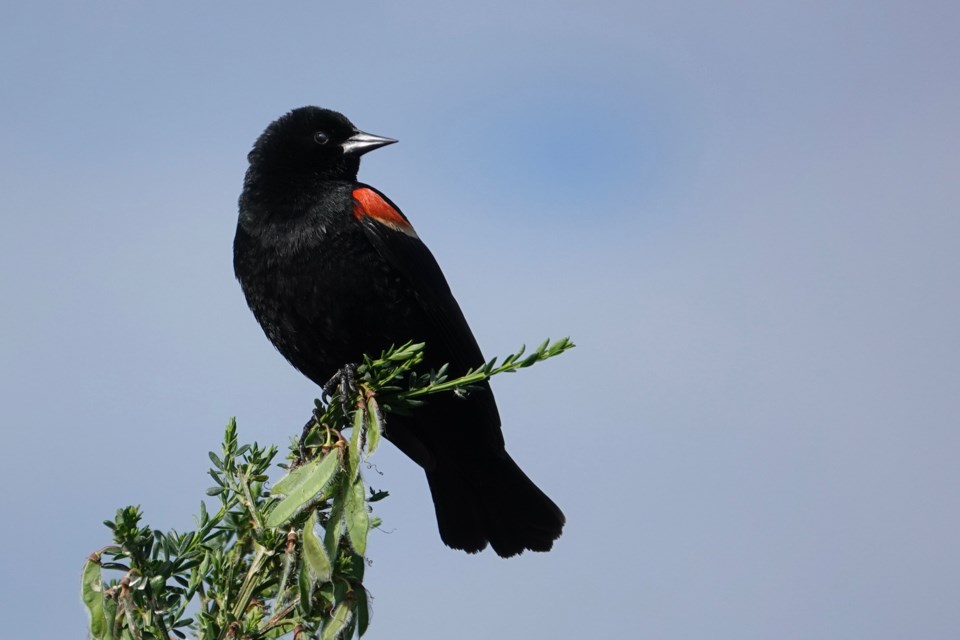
[744,213]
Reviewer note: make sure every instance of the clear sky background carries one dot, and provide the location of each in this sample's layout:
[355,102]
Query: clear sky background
[746,214]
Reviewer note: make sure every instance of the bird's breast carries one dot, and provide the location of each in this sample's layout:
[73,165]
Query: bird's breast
[322,293]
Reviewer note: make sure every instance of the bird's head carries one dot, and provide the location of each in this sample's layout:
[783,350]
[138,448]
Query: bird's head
[315,142]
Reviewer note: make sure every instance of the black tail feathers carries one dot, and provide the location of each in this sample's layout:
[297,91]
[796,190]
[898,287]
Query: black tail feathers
[503,507]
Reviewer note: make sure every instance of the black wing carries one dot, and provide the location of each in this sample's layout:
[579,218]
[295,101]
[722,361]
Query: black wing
[395,240]
[449,339]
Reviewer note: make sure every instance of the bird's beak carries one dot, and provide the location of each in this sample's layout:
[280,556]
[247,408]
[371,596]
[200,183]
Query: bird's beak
[360,142]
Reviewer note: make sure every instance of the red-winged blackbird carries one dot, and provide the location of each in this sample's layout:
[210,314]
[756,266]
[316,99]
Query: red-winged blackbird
[333,270]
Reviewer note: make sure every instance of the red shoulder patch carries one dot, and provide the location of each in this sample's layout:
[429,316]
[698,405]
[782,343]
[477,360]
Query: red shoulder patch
[368,203]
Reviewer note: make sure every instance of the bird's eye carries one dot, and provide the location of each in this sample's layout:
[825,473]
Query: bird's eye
[321,138]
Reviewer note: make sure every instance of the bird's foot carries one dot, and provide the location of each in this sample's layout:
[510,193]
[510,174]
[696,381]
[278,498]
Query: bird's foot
[307,429]
[343,381]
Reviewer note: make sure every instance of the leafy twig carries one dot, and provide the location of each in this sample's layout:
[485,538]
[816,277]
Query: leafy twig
[256,567]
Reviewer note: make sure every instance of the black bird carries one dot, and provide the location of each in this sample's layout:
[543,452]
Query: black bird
[333,270]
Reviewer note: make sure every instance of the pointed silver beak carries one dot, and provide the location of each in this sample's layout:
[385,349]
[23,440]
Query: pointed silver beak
[360,142]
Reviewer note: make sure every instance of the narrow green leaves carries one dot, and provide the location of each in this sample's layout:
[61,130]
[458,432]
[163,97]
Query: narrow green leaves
[393,395]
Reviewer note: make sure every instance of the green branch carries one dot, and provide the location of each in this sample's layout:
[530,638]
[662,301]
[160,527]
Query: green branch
[269,562]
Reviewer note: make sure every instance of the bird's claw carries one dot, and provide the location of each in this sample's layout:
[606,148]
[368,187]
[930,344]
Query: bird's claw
[307,428]
[344,381]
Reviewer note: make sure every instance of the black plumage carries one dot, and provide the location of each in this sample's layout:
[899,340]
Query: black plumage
[333,270]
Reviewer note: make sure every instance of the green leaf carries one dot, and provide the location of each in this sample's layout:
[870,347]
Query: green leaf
[374,425]
[351,627]
[353,454]
[110,612]
[356,516]
[92,592]
[294,479]
[315,477]
[305,587]
[336,623]
[313,552]
[405,352]
[331,535]
[340,590]
[362,610]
